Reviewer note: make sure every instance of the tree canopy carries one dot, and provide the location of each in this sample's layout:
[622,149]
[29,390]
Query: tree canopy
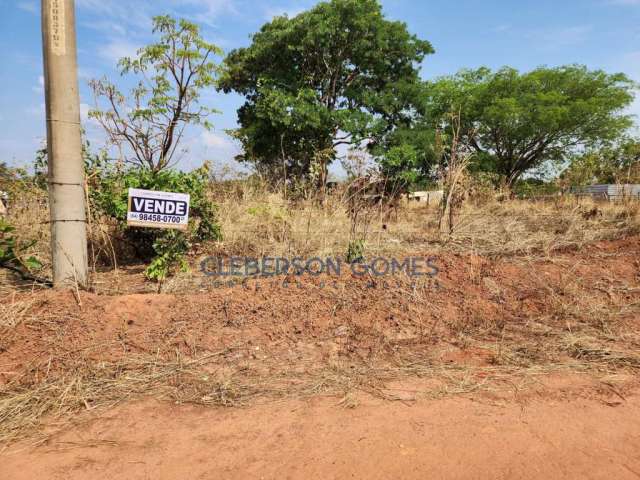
[514,122]
[337,74]
[408,154]
[618,163]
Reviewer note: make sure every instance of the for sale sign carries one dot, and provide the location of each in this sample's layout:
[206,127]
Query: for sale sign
[158,209]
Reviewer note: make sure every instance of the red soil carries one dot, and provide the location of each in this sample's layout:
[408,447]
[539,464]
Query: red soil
[572,428]
[450,438]
[471,294]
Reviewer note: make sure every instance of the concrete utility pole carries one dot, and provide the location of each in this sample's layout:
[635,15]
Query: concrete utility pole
[64,145]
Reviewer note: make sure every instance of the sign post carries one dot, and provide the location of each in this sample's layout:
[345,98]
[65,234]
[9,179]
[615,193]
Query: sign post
[153,209]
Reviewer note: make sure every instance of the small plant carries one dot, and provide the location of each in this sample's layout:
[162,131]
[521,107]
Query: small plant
[455,171]
[12,252]
[170,249]
[355,251]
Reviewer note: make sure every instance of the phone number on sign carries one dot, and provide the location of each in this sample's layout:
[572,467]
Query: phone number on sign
[152,217]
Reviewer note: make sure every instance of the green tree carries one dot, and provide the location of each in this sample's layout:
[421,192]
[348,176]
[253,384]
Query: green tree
[166,99]
[515,122]
[338,74]
[408,156]
[619,163]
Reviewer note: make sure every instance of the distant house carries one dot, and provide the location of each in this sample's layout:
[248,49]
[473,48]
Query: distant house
[429,197]
[608,191]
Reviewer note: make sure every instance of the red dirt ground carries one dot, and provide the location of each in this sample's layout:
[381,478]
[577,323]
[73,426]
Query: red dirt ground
[471,295]
[502,323]
[453,438]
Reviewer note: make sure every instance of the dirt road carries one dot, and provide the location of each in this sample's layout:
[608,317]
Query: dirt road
[447,438]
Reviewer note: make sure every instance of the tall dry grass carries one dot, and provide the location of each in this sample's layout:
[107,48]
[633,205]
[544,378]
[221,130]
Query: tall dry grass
[257,221]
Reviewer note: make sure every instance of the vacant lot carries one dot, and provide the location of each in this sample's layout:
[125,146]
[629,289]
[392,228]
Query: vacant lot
[499,361]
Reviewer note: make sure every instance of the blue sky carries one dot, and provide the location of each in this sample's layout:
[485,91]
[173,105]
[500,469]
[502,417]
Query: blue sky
[465,33]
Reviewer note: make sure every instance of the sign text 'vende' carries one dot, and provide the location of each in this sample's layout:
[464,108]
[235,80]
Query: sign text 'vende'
[158,209]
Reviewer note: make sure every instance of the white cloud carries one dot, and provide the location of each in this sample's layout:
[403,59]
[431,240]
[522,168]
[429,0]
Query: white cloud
[633,68]
[561,36]
[125,26]
[206,11]
[39,89]
[31,7]
[108,12]
[209,11]
[92,128]
[217,141]
[87,73]
[106,26]
[629,63]
[100,6]
[218,147]
[635,110]
[84,112]
[214,7]
[114,50]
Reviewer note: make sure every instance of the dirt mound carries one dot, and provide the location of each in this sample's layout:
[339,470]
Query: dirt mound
[470,293]
[478,324]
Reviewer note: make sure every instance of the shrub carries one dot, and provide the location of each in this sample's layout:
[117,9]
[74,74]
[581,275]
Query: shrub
[12,252]
[165,249]
[355,251]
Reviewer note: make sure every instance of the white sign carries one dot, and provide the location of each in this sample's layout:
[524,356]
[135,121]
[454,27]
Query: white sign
[158,209]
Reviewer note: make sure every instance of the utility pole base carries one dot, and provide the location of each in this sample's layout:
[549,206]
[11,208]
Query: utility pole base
[64,145]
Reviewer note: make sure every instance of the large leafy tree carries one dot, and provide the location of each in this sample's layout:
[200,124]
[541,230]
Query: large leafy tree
[334,75]
[515,122]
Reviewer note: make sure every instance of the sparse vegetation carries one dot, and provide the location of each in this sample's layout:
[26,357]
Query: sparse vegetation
[165,249]
[529,280]
[12,252]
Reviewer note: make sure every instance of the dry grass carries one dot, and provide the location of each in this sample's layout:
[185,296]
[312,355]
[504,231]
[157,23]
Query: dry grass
[571,336]
[37,408]
[261,223]
[86,385]
[258,222]
[523,227]
[13,313]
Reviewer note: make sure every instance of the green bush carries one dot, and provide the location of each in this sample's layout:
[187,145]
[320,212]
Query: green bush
[533,187]
[12,251]
[355,251]
[165,249]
